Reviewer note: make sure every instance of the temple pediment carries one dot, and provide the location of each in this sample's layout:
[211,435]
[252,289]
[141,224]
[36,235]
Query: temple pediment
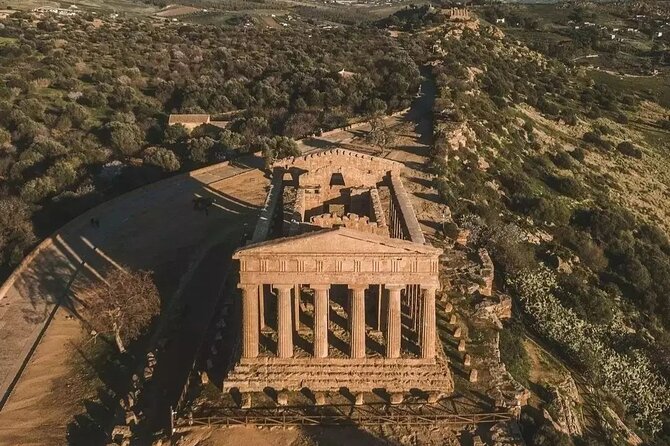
[337,241]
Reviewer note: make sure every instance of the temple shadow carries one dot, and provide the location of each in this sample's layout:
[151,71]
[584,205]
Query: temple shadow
[422,181]
[344,435]
[337,319]
[268,343]
[303,343]
[376,347]
[337,343]
[430,196]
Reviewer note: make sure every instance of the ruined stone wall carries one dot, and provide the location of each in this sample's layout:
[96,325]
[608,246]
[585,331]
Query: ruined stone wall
[487,273]
[265,219]
[377,210]
[352,221]
[357,169]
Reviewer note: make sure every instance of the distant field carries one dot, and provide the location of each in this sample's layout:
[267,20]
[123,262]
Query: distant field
[177,10]
[119,6]
[657,87]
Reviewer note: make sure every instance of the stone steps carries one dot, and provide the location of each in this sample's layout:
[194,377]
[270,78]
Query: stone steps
[356,377]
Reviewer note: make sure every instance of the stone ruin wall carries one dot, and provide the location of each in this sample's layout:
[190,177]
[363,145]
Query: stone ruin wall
[361,170]
[265,219]
[352,221]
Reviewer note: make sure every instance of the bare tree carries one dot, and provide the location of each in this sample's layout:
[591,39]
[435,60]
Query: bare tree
[123,305]
[380,134]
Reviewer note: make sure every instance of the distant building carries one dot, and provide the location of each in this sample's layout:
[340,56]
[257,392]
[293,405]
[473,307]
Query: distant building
[458,14]
[196,120]
[345,74]
[190,121]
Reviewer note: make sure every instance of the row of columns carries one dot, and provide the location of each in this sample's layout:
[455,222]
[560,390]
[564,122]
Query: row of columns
[396,228]
[423,307]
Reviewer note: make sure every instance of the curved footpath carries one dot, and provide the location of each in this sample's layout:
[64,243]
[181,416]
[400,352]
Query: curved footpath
[154,227]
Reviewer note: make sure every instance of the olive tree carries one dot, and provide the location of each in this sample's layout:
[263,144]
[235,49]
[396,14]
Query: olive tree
[122,305]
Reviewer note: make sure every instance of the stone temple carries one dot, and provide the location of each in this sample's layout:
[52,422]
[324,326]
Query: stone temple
[338,284]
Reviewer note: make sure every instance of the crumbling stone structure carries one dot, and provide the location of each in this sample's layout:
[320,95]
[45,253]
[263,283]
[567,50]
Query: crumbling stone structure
[338,285]
[458,14]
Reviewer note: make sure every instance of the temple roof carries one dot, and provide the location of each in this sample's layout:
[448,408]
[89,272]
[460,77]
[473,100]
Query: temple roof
[337,241]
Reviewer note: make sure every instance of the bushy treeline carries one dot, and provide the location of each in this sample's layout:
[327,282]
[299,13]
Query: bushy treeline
[538,203]
[413,17]
[84,105]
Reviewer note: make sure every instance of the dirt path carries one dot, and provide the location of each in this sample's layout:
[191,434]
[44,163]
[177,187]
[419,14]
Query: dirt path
[154,228]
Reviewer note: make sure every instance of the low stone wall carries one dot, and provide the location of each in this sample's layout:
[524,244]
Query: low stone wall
[27,260]
[265,218]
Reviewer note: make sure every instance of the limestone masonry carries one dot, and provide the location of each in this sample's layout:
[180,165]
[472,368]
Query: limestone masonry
[338,284]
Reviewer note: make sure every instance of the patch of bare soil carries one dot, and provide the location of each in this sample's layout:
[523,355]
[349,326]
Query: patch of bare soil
[318,436]
[177,10]
[23,420]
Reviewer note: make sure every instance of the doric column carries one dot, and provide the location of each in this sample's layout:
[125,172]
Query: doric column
[357,321]
[321,320]
[249,321]
[261,307]
[296,307]
[380,314]
[284,326]
[428,323]
[393,323]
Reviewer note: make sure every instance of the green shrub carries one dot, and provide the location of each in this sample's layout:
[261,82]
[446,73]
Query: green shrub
[629,149]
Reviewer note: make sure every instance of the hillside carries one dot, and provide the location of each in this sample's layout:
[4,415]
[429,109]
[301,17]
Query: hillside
[565,181]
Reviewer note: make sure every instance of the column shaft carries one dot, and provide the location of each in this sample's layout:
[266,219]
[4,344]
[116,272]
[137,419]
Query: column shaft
[428,326]
[321,308]
[393,323]
[261,306]
[250,321]
[296,307]
[357,322]
[284,326]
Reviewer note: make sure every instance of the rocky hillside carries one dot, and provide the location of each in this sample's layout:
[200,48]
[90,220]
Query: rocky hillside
[565,181]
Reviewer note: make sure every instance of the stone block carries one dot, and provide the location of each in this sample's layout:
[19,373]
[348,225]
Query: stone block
[282,398]
[396,398]
[473,375]
[245,402]
[433,397]
[453,320]
[320,398]
[448,307]
[204,378]
[458,332]
[467,360]
[360,399]
[461,345]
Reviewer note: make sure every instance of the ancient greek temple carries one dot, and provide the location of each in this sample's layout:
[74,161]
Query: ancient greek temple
[338,285]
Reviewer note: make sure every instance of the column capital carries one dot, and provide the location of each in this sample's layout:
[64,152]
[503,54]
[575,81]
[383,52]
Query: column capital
[429,288]
[358,286]
[283,286]
[244,286]
[319,286]
[394,286]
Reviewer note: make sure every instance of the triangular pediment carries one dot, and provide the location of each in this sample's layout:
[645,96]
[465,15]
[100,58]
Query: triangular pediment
[337,241]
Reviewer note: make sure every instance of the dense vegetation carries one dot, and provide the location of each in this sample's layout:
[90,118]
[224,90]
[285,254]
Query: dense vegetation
[530,190]
[84,104]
